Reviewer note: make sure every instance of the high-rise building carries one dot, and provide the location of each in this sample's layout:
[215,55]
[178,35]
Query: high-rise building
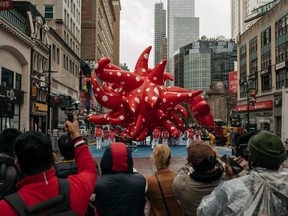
[244,14]
[199,63]
[205,65]
[116,32]
[183,26]
[159,30]
[97,30]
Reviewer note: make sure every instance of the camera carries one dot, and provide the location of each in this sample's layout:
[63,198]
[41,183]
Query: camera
[234,165]
[242,150]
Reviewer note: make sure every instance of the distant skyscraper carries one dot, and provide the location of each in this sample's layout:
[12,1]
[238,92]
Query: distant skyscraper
[159,30]
[183,26]
[241,11]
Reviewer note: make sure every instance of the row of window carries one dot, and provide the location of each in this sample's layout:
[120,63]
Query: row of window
[71,43]
[68,64]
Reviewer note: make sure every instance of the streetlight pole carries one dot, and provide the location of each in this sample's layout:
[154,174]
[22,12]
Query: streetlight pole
[248,107]
[244,82]
[251,97]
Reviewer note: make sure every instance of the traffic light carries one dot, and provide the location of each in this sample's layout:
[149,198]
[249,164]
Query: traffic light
[252,97]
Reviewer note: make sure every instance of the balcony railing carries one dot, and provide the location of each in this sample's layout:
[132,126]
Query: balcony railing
[15,18]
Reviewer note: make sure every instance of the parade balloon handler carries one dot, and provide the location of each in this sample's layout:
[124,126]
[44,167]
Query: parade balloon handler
[141,102]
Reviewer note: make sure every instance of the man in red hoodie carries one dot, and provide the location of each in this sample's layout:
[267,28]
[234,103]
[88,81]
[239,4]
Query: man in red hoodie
[35,159]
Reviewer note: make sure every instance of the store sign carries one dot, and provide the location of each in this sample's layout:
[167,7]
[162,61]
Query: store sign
[6,5]
[280,65]
[38,107]
[233,81]
[10,95]
[258,106]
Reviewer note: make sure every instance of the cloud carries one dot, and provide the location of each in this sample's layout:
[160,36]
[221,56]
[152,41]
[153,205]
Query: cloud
[137,25]
[136,31]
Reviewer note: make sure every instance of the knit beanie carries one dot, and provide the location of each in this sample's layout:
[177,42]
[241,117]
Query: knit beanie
[267,148]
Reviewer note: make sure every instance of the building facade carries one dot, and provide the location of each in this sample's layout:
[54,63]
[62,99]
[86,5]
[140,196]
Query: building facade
[159,31]
[64,20]
[183,26]
[97,19]
[262,66]
[244,14]
[24,60]
[116,32]
[205,65]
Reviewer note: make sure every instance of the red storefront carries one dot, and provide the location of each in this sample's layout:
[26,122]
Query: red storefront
[261,114]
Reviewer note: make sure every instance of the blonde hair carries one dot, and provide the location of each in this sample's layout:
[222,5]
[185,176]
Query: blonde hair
[161,156]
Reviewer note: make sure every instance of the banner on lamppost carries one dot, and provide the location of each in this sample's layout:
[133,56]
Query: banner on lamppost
[6,5]
[233,81]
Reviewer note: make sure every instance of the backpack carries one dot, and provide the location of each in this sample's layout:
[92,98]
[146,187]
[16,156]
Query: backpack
[8,179]
[56,206]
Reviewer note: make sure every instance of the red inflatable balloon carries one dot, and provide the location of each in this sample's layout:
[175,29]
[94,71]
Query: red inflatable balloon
[140,101]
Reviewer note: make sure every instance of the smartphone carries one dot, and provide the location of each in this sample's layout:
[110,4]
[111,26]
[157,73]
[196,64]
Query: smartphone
[234,165]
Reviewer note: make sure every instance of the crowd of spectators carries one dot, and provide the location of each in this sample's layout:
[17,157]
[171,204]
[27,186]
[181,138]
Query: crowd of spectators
[204,185]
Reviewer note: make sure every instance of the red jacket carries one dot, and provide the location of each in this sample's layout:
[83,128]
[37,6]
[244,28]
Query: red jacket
[156,133]
[42,186]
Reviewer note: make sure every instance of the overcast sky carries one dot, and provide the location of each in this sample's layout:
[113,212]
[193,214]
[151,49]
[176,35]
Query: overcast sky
[137,25]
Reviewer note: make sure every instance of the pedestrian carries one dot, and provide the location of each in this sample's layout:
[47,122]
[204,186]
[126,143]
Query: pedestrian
[67,166]
[211,138]
[198,177]
[156,135]
[160,192]
[228,138]
[165,136]
[232,138]
[9,175]
[190,135]
[36,159]
[119,190]
[106,136]
[262,192]
[112,136]
[98,134]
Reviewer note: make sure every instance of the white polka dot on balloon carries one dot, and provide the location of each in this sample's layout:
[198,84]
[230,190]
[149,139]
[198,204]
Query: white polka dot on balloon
[121,117]
[146,55]
[104,98]
[143,70]
[138,79]
[122,83]
[154,98]
[118,73]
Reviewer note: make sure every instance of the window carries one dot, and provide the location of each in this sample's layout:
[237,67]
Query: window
[281,79]
[253,45]
[18,82]
[48,11]
[7,78]
[266,37]
[266,60]
[266,83]
[243,52]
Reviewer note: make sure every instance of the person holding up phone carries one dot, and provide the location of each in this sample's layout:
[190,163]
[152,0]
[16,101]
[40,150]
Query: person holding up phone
[198,177]
[262,192]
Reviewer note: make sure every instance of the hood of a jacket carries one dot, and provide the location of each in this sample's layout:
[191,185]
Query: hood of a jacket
[116,158]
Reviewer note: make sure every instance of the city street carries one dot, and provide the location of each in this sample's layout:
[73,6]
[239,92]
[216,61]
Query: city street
[141,157]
